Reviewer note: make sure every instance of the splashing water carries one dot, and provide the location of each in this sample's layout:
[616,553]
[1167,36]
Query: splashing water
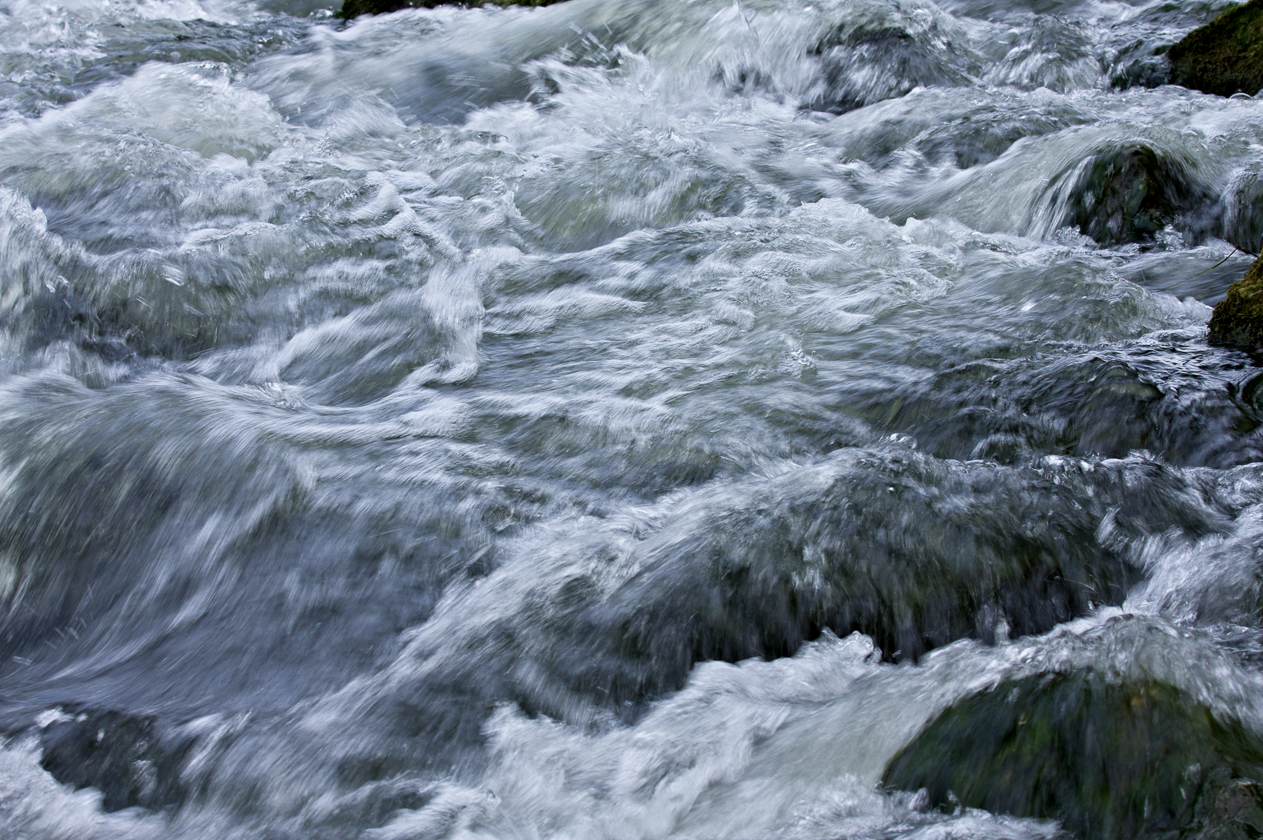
[608,420]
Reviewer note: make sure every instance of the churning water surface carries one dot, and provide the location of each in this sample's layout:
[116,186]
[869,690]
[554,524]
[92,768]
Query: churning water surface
[622,419]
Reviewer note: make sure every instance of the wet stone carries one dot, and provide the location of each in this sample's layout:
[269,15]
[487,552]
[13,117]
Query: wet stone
[124,756]
[1243,210]
[1225,56]
[1108,759]
[1131,191]
[876,60]
[891,548]
[1234,812]
[1238,318]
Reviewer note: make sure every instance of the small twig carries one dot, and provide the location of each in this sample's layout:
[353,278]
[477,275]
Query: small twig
[1235,251]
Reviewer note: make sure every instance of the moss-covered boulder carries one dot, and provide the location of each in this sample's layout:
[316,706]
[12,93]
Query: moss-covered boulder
[1225,56]
[1108,759]
[1238,318]
[355,8]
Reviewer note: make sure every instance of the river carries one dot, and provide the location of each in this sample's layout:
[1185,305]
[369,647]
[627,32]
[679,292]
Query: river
[623,419]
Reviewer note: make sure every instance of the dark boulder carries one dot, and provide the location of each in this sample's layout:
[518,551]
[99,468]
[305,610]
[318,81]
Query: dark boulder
[1130,190]
[126,757]
[913,552]
[1225,56]
[1243,209]
[1238,318]
[1108,759]
[874,60]
[355,8]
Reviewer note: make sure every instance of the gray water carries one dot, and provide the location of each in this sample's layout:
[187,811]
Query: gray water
[622,419]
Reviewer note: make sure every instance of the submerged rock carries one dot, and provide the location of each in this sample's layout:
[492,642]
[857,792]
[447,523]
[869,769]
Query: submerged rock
[1107,759]
[124,756]
[1225,56]
[912,552]
[355,8]
[875,51]
[1238,318]
[1243,209]
[1131,190]
[875,58]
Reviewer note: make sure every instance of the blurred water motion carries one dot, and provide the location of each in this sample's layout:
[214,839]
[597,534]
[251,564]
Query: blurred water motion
[631,419]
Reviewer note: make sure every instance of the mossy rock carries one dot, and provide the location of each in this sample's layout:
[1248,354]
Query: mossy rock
[1225,56]
[1238,318]
[355,8]
[1108,759]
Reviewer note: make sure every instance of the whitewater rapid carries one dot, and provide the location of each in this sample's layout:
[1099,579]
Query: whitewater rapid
[608,420]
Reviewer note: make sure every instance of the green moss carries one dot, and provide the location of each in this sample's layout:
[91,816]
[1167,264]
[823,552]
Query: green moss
[1225,56]
[355,8]
[1136,759]
[1238,318]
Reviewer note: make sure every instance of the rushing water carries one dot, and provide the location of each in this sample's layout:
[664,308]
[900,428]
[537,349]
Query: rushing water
[622,419]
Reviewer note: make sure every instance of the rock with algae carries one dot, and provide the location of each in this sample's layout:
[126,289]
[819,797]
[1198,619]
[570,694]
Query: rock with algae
[1238,318]
[1225,56]
[355,8]
[1106,758]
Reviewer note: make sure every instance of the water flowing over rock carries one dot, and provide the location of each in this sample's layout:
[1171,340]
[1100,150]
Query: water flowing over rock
[619,419]
[1243,210]
[125,757]
[1131,191]
[884,51]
